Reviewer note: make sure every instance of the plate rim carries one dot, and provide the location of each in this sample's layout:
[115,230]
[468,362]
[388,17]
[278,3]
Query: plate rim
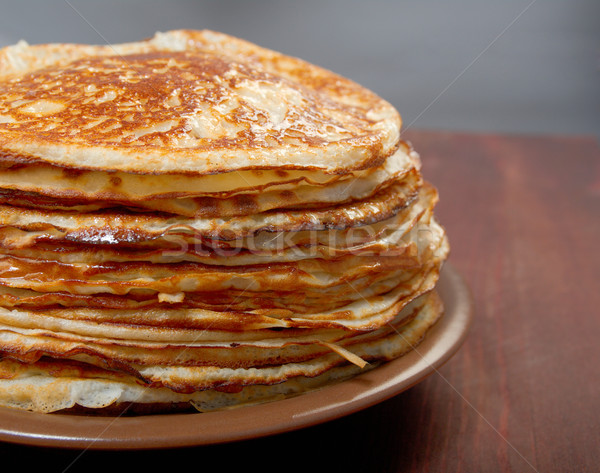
[276,417]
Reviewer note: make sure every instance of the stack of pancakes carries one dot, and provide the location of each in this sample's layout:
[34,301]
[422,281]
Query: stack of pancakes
[193,220]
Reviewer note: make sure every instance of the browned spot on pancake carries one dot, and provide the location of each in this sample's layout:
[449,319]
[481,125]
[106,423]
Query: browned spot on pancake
[287,195]
[244,204]
[71,173]
[115,181]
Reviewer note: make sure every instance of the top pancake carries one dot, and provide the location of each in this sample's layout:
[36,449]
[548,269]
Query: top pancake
[186,102]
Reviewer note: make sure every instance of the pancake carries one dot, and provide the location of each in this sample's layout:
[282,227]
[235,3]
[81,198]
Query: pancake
[90,186]
[52,385]
[187,102]
[64,244]
[196,221]
[123,227]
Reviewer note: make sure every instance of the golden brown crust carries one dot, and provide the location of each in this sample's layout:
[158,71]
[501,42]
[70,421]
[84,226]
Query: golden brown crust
[210,104]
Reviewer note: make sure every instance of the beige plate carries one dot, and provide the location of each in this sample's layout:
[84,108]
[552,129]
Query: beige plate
[177,430]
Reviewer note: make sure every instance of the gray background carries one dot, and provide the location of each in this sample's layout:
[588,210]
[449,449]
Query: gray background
[509,66]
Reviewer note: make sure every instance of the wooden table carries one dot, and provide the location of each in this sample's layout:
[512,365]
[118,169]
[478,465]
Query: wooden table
[523,393]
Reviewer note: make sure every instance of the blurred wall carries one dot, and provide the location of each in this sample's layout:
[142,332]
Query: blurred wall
[513,66]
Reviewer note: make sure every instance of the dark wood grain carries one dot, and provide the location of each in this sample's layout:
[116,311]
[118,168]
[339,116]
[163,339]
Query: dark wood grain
[523,215]
[523,393]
